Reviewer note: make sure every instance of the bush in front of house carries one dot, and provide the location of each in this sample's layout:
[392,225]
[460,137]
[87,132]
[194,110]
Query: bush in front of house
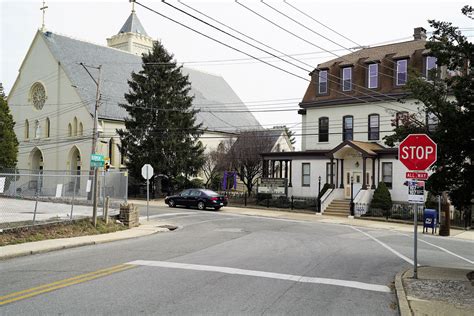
[382,200]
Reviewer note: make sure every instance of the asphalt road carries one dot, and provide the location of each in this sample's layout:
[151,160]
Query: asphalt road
[218,263]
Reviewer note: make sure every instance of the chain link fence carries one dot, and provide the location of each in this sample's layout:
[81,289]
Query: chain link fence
[32,197]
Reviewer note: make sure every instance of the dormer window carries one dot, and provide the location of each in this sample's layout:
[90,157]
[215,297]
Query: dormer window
[402,72]
[373,76]
[323,82]
[430,65]
[347,79]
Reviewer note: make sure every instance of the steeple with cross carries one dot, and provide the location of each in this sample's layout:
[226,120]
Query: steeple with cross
[43,8]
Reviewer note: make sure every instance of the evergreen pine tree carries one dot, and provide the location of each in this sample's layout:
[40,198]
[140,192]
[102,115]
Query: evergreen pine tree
[8,140]
[161,128]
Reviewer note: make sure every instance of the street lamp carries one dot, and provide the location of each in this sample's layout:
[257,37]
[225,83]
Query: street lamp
[319,194]
[352,196]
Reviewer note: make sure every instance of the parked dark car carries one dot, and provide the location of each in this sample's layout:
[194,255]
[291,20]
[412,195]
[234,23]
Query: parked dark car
[200,198]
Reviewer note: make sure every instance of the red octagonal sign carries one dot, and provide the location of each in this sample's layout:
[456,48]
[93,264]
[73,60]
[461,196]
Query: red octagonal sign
[417,152]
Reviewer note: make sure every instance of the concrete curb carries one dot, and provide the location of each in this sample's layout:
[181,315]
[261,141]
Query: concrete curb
[403,305]
[67,243]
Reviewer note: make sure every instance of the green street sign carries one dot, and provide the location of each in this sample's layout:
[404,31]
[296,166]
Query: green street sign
[97,160]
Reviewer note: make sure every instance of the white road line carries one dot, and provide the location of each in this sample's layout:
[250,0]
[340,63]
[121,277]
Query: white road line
[263,274]
[385,246]
[441,248]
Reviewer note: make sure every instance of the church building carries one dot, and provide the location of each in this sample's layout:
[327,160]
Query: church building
[53,99]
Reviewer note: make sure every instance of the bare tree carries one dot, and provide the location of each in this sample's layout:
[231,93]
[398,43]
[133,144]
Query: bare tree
[245,156]
[216,161]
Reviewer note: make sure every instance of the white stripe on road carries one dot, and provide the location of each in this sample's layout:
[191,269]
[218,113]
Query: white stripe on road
[441,248]
[386,246]
[263,274]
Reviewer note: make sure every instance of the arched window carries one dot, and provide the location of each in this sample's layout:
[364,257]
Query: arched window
[27,129]
[348,127]
[69,128]
[81,129]
[47,128]
[323,132]
[74,126]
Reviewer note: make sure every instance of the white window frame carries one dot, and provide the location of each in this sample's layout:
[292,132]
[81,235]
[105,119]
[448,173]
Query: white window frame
[387,176]
[349,71]
[399,72]
[305,177]
[320,91]
[426,65]
[374,129]
[376,77]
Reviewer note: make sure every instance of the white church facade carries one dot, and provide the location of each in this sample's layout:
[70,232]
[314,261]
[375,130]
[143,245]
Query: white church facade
[53,98]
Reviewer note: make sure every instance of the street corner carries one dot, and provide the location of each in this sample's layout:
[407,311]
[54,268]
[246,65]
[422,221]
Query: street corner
[436,290]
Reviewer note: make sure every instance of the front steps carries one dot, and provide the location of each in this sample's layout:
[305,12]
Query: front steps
[338,208]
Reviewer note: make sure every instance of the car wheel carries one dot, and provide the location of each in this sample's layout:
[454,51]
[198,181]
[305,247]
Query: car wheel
[171,203]
[201,205]
[217,208]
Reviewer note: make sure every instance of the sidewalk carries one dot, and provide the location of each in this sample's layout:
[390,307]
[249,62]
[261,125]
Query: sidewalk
[438,291]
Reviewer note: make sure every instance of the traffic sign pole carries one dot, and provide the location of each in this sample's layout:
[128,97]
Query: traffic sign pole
[147,173]
[417,152]
[147,195]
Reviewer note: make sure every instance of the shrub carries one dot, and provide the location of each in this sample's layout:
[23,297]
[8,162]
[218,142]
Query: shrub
[382,200]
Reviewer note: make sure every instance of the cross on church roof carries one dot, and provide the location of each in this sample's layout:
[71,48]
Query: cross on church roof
[43,8]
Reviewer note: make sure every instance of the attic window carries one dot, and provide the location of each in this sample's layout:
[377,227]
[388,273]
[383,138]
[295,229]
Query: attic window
[347,79]
[401,72]
[323,82]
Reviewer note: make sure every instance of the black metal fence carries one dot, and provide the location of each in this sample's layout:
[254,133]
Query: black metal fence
[405,212]
[269,201]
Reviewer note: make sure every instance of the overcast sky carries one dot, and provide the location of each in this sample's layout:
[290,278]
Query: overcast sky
[257,84]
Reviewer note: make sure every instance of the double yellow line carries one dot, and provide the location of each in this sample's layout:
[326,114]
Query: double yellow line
[13,297]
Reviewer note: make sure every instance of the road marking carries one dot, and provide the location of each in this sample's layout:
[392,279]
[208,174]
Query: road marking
[263,274]
[16,296]
[385,246]
[441,248]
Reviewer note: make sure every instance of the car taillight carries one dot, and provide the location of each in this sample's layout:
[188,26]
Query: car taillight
[214,199]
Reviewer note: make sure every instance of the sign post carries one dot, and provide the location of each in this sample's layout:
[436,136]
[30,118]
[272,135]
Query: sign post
[147,173]
[417,152]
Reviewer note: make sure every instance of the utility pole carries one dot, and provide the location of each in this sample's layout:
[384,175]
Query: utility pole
[95,136]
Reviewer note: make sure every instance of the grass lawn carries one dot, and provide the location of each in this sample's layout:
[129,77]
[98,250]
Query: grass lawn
[82,227]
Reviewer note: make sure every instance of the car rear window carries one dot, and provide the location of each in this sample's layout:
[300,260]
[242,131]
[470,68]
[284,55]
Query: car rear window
[210,193]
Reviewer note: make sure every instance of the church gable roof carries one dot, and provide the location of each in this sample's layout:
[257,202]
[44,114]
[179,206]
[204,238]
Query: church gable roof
[133,25]
[222,110]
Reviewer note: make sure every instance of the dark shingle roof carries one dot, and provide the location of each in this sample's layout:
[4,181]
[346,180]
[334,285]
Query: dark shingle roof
[210,91]
[133,25]
[373,54]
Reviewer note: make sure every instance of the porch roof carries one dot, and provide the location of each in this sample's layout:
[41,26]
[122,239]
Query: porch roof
[367,149]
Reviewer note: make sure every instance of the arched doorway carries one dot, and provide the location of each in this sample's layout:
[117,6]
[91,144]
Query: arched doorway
[36,166]
[36,159]
[75,163]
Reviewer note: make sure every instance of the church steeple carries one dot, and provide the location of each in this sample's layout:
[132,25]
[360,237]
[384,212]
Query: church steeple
[132,37]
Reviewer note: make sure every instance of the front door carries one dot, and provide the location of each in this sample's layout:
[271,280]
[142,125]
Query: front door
[357,178]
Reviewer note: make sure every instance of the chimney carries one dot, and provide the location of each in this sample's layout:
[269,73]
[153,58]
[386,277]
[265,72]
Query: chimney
[419,34]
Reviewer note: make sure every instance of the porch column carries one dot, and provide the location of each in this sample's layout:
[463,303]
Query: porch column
[342,174]
[364,173]
[286,169]
[291,174]
[337,173]
[331,180]
[281,168]
[273,169]
[378,170]
[373,173]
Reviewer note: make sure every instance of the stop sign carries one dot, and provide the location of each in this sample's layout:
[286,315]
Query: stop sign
[417,152]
